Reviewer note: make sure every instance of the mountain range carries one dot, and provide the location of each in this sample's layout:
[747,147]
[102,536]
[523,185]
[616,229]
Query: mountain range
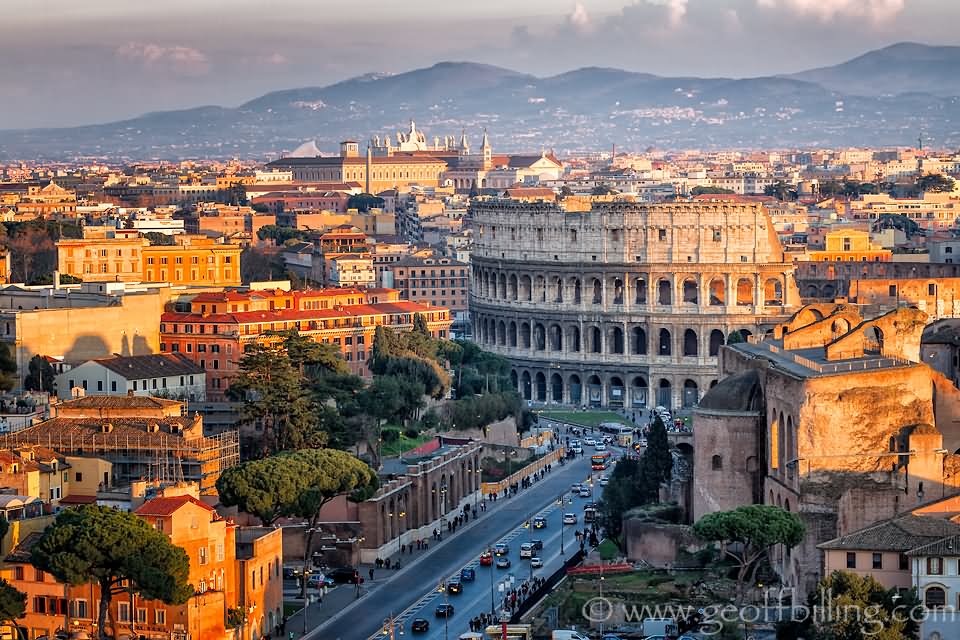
[886,97]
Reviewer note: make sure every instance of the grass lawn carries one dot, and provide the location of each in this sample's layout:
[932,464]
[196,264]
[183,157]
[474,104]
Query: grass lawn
[585,418]
[402,444]
[608,550]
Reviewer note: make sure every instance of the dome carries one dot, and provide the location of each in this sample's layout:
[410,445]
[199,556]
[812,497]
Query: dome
[739,392]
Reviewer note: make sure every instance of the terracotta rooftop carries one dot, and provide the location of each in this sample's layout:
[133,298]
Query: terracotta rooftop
[901,534]
[150,366]
[166,506]
[21,553]
[119,402]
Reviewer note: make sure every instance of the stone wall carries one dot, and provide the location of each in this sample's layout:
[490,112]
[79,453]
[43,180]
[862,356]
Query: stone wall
[725,463]
[657,544]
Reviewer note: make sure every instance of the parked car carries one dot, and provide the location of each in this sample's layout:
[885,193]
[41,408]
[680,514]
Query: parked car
[604,481]
[569,518]
[503,563]
[536,562]
[344,575]
[443,611]
[420,625]
[539,522]
[317,580]
[486,559]
[468,575]
[575,487]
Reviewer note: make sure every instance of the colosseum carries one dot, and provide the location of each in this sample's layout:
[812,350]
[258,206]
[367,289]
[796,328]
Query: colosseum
[622,304]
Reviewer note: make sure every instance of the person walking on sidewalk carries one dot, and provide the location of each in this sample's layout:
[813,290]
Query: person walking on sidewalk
[371,574]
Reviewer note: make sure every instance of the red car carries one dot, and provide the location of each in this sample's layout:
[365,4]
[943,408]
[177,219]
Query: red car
[486,559]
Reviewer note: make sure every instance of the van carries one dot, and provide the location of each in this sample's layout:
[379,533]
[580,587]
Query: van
[565,634]
[666,627]
[526,550]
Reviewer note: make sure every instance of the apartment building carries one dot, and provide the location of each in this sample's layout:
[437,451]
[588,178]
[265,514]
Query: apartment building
[432,279]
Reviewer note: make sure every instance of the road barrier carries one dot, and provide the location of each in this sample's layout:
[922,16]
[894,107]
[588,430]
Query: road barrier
[488,488]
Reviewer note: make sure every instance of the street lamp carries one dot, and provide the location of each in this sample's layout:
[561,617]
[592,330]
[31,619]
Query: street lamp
[390,627]
[446,610]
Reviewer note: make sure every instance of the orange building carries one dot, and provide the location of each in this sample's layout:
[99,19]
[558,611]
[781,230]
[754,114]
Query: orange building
[849,245]
[106,254]
[217,549]
[47,202]
[219,325]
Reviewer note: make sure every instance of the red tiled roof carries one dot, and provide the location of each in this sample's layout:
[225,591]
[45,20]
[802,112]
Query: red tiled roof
[346,311]
[167,506]
[78,499]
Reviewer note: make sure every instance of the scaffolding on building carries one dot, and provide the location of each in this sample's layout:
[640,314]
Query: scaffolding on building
[141,456]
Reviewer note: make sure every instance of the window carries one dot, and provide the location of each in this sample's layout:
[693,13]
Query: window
[160,616]
[39,604]
[142,616]
[99,385]
[219,552]
[934,597]
[935,566]
[717,463]
[113,384]
[203,555]
[904,562]
[878,561]
[18,573]
[79,476]
[79,609]
[717,235]
[851,560]
[931,289]
[123,612]
[893,290]
[661,234]
[37,575]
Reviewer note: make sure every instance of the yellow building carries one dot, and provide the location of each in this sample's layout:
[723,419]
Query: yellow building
[850,245]
[106,254]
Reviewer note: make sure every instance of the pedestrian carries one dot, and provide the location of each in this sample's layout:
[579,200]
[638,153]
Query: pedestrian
[403,548]
[371,574]
[388,563]
[424,545]
[419,544]
[410,549]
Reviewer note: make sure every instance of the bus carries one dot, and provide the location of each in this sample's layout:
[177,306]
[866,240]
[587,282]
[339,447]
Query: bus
[600,461]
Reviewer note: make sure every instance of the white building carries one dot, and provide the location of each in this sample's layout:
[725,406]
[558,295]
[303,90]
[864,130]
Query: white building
[167,375]
[350,270]
[936,577]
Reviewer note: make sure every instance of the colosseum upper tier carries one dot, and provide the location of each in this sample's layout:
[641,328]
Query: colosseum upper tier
[618,303]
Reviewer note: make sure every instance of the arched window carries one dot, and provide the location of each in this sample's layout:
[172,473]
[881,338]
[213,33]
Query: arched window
[513,287]
[617,291]
[664,293]
[690,295]
[541,381]
[773,292]
[638,342]
[556,338]
[690,346]
[576,393]
[640,291]
[638,391]
[616,340]
[512,334]
[597,291]
[690,394]
[716,463]
[716,341]
[525,289]
[573,343]
[718,294]
[595,340]
[556,388]
[502,333]
[525,335]
[744,292]
[557,290]
[665,348]
[575,285]
[539,337]
[525,382]
[934,597]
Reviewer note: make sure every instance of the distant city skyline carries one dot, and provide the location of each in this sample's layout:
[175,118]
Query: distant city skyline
[68,64]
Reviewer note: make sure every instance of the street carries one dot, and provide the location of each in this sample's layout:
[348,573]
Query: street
[412,592]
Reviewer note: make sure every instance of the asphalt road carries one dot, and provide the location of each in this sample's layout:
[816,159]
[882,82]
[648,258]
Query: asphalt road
[413,592]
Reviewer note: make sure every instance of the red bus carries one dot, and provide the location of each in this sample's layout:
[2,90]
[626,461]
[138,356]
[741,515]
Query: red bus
[600,461]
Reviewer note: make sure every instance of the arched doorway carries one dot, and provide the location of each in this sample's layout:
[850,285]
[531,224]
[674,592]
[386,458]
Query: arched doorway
[638,392]
[690,394]
[541,381]
[576,391]
[690,343]
[615,392]
[594,391]
[873,339]
[556,388]
[716,341]
[526,390]
[665,394]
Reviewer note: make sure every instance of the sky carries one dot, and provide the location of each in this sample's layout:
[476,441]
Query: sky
[65,63]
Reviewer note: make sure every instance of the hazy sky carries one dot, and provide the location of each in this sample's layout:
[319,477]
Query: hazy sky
[64,62]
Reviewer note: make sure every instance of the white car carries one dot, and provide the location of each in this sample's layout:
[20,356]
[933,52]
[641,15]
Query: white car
[577,449]
[569,518]
[526,550]
[535,562]
[589,442]
[585,492]
[604,481]
[600,447]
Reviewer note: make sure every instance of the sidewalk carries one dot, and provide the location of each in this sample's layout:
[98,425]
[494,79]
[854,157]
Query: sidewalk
[340,597]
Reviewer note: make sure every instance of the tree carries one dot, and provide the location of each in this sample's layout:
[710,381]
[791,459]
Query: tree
[117,551]
[698,191]
[566,192]
[266,488]
[363,202]
[280,235]
[621,494]
[8,368]
[274,395]
[860,608]
[39,375]
[258,265]
[33,253]
[13,604]
[747,533]
[603,189]
[934,183]
[160,239]
[735,337]
[780,190]
[656,464]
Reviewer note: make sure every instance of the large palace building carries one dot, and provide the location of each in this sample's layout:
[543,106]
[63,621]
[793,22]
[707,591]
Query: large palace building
[616,303]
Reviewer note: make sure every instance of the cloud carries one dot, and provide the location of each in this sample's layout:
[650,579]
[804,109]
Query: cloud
[825,10]
[178,59]
[579,20]
[653,12]
[276,59]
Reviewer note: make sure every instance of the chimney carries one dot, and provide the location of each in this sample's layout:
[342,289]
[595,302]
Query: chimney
[369,163]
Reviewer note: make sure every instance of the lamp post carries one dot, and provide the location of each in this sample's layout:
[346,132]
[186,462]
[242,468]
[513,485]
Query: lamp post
[390,628]
[442,586]
[476,495]
[601,599]
[560,504]
[493,608]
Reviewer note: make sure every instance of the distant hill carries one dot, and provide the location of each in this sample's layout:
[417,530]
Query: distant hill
[885,97]
[906,67]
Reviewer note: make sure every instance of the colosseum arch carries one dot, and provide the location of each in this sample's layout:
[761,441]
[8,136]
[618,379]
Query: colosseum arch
[514,380]
[664,346]
[718,292]
[690,291]
[525,335]
[595,340]
[790,455]
[502,333]
[557,290]
[541,386]
[597,288]
[526,291]
[773,292]
[716,341]
[539,337]
[638,341]
[616,392]
[664,292]
[555,338]
[576,389]
[540,289]
[873,339]
[840,327]
[640,291]
[744,292]
[615,344]
[691,345]
[690,394]
[512,334]
[638,391]
[556,388]
[594,391]
[512,287]
[664,394]
[811,291]
[502,294]
[525,388]
[617,285]
[573,339]
[575,292]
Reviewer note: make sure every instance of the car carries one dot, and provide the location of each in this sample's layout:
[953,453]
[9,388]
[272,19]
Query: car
[503,563]
[443,611]
[536,562]
[585,492]
[604,481]
[607,439]
[420,625]
[577,449]
[454,587]
[468,575]
[575,487]
[291,572]
[600,447]
[344,575]
[486,559]
[526,550]
[569,518]
[539,523]
[642,442]
[317,580]
[610,636]
[537,544]
[501,549]
[589,442]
